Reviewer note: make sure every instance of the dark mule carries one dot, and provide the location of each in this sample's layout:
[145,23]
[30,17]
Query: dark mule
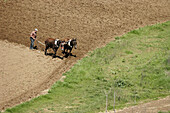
[68,45]
[52,43]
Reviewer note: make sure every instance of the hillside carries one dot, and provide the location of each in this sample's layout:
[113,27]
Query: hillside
[135,67]
[93,22]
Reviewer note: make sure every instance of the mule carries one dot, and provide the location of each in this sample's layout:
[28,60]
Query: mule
[52,43]
[68,45]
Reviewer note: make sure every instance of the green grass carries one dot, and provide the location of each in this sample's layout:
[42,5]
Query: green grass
[5,0]
[136,66]
[163,112]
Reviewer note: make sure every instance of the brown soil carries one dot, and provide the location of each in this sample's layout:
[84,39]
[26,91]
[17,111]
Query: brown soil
[155,106]
[22,69]
[93,22]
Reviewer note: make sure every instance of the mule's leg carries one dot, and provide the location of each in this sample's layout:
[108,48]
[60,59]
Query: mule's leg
[63,49]
[46,49]
[70,52]
[66,51]
[55,50]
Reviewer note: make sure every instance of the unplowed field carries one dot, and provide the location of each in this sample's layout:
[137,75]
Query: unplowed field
[24,74]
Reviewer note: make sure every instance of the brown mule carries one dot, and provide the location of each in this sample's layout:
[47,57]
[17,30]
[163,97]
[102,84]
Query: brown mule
[52,43]
[68,45]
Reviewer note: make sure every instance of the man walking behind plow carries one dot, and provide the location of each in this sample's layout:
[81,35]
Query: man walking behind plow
[33,37]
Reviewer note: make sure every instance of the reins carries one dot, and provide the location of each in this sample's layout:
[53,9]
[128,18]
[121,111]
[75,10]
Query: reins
[41,43]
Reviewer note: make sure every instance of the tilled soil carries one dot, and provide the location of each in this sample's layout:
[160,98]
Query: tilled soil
[93,22]
[22,69]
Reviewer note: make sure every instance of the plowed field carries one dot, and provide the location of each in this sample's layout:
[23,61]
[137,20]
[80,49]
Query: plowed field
[24,74]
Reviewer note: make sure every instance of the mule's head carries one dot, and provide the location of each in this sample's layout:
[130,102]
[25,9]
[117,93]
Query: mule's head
[74,42]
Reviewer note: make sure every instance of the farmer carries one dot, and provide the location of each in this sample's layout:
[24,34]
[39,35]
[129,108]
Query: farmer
[33,37]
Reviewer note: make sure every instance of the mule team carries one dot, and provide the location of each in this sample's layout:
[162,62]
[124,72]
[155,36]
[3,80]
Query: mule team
[66,45]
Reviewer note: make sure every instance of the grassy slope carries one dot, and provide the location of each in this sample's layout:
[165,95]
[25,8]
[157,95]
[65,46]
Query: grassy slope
[135,65]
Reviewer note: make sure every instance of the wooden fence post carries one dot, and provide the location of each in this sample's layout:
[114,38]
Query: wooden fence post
[114,102]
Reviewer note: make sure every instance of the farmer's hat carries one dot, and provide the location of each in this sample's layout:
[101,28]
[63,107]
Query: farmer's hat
[36,29]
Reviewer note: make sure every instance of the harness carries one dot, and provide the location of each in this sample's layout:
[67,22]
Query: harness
[56,42]
[62,46]
[66,42]
[69,43]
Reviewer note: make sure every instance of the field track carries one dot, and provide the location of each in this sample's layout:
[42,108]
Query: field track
[93,22]
[155,106]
